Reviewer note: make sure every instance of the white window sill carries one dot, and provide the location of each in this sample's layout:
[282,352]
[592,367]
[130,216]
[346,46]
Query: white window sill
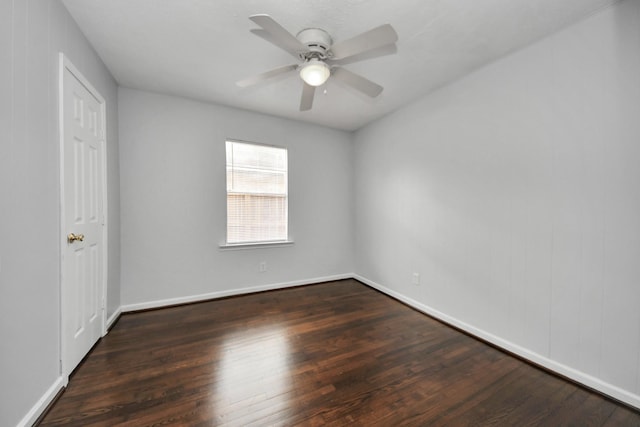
[255,245]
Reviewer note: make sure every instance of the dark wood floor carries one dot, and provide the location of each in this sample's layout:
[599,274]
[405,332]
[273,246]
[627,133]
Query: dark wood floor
[336,353]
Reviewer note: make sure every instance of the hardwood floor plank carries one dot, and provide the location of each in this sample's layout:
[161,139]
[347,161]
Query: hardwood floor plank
[337,353]
[623,416]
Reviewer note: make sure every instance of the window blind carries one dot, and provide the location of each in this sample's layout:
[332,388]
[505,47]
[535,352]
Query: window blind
[257,207]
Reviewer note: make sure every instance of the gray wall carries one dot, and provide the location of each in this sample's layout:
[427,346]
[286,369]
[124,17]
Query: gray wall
[514,193]
[174,200]
[31,35]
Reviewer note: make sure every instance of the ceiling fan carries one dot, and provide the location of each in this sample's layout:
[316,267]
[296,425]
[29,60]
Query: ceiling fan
[321,57]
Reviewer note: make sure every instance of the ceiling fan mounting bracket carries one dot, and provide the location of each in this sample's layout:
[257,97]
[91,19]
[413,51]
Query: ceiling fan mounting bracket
[317,41]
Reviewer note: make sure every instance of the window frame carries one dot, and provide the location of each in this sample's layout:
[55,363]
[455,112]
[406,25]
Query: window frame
[258,243]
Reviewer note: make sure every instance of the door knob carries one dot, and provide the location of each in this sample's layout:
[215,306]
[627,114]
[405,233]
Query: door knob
[73,237]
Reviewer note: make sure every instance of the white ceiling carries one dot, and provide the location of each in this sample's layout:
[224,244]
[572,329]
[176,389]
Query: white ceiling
[199,49]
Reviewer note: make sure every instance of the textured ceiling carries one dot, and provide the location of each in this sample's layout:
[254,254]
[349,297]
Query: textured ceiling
[199,49]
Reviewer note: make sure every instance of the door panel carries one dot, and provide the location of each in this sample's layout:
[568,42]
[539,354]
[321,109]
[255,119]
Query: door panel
[83,192]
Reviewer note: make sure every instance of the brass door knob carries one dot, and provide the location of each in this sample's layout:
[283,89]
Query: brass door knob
[73,237]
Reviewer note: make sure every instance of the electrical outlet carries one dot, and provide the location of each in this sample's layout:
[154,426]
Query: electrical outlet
[263,266]
[416,279]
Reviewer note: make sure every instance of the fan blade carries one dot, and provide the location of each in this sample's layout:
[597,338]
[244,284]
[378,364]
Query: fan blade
[372,39]
[282,38]
[250,81]
[307,97]
[357,82]
[265,35]
[390,49]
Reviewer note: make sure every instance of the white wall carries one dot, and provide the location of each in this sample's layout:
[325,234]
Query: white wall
[173,189]
[515,194]
[31,35]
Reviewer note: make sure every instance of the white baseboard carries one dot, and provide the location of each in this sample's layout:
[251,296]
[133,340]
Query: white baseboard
[229,293]
[41,404]
[111,320]
[566,371]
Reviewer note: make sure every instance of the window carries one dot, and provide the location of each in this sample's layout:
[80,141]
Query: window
[256,193]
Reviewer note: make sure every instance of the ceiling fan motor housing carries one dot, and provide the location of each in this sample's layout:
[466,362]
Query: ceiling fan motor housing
[317,40]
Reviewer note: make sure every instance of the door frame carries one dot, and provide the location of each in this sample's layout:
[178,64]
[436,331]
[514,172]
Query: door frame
[65,65]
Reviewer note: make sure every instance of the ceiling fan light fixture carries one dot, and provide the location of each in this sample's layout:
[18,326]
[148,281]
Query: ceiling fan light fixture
[315,72]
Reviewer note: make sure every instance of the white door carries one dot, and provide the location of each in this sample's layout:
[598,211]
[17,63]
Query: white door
[83,220]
